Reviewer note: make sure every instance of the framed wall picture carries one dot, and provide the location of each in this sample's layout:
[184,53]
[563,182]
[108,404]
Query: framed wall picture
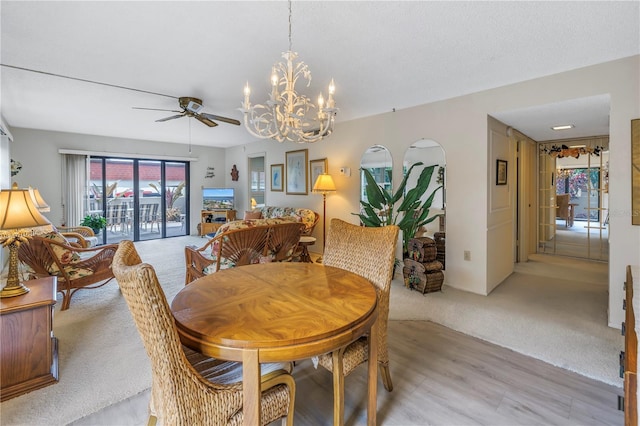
[501,172]
[316,168]
[277,171]
[297,172]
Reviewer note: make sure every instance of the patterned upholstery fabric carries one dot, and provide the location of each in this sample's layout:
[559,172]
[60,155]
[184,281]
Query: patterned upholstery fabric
[67,257]
[248,223]
[303,215]
[274,216]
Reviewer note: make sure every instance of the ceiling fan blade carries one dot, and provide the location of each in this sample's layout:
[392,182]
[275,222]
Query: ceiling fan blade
[156,109]
[205,120]
[170,118]
[218,118]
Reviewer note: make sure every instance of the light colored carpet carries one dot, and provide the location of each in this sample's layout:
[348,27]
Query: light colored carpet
[551,308]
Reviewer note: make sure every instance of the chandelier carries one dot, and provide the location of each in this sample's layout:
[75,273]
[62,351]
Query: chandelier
[287,115]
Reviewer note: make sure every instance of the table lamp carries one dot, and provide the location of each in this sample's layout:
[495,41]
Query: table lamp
[38,201]
[324,184]
[19,219]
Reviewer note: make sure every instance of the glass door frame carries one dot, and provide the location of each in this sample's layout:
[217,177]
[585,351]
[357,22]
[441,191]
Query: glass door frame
[134,192]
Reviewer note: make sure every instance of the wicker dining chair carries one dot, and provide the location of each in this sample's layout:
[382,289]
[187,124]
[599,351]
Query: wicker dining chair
[370,253]
[187,387]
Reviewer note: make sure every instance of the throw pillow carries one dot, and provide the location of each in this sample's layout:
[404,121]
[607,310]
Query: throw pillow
[254,214]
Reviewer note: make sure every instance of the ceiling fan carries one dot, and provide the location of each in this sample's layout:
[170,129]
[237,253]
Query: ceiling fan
[192,107]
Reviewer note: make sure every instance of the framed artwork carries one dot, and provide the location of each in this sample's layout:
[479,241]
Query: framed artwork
[276,177]
[297,173]
[501,172]
[317,167]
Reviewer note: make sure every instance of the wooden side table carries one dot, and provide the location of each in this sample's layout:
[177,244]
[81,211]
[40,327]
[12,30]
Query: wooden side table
[28,349]
[305,242]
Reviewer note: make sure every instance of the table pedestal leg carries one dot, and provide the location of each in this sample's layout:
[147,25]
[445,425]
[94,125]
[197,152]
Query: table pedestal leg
[251,387]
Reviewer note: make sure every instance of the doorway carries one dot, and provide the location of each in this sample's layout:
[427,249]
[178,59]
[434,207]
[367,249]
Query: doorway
[257,181]
[574,179]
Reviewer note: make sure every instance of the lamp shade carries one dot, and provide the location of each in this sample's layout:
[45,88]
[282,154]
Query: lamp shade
[324,183]
[39,202]
[19,215]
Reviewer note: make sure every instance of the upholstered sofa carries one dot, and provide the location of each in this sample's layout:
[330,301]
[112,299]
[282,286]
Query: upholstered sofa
[271,215]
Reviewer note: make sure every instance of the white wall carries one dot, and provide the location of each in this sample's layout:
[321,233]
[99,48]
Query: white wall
[479,213]
[476,219]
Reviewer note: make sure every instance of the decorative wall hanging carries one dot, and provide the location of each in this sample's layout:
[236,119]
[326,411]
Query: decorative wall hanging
[210,172]
[234,173]
[277,171]
[567,151]
[15,167]
[501,172]
[297,173]
[316,168]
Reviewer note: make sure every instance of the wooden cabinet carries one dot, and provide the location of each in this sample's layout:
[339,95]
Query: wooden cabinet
[211,220]
[28,349]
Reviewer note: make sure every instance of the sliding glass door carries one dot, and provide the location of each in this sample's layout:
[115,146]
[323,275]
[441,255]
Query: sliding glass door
[140,199]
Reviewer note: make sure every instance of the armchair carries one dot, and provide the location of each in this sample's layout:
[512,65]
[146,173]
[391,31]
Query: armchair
[233,248]
[564,209]
[243,246]
[75,267]
[283,240]
[81,235]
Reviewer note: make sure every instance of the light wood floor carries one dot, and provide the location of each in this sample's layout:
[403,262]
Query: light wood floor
[440,377]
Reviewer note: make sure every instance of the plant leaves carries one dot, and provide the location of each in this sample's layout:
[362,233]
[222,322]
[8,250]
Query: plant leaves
[403,184]
[375,195]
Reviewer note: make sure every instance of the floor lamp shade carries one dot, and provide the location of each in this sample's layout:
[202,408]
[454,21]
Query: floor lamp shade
[323,185]
[19,219]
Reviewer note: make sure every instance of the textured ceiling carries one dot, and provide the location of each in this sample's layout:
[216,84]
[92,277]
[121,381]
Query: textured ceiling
[382,55]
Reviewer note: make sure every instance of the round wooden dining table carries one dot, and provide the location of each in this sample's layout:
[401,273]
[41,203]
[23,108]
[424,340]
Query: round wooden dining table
[275,312]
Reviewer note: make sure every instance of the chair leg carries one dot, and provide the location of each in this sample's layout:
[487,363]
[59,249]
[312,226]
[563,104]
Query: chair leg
[386,376]
[66,300]
[338,388]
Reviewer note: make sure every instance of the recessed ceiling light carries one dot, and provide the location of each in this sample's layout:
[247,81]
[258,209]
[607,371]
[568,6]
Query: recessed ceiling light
[563,127]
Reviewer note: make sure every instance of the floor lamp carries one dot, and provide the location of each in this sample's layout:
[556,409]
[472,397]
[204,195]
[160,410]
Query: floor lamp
[323,185]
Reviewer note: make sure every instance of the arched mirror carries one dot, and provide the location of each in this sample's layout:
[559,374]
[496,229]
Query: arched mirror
[430,153]
[376,164]
[376,159]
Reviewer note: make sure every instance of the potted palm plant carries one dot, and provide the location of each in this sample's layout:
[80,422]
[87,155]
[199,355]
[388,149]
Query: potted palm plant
[412,213]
